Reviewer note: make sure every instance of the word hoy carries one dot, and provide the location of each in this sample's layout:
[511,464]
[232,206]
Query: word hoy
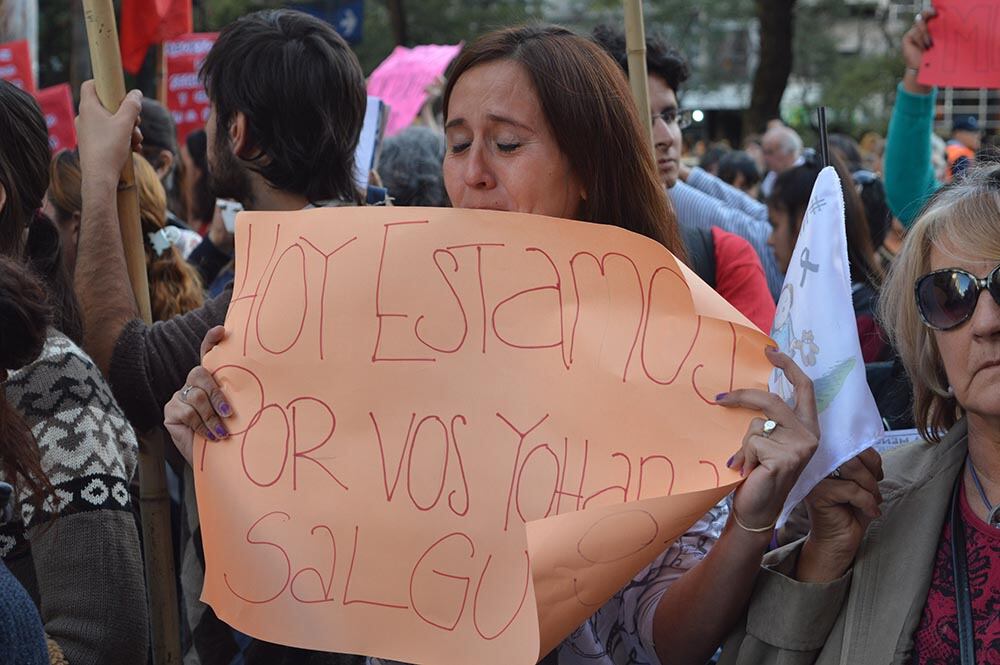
[462,309]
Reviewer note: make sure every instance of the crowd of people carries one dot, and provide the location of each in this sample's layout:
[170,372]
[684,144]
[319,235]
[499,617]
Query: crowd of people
[901,558]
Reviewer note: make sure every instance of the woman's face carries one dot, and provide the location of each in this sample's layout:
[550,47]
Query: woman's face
[971,352]
[501,154]
[783,236]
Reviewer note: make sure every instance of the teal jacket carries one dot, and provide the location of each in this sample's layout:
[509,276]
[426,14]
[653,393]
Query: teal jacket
[908,171]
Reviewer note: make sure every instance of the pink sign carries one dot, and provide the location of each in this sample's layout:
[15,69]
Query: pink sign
[966,51]
[186,97]
[401,80]
[15,65]
[57,107]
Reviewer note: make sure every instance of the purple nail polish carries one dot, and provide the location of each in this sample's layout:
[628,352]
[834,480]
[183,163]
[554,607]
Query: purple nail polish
[221,432]
[720,396]
[729,464]
[770,348]
[225,410]
[211,436]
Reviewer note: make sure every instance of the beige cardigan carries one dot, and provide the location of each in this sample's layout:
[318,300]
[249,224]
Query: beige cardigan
[871,613]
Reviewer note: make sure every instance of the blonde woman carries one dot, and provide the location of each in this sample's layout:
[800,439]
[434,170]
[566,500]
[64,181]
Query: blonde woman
[174,285]
[921,583]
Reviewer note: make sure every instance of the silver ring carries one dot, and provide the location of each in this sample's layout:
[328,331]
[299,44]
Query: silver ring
[769,427]
[185,390]
[835,474]
[918,18]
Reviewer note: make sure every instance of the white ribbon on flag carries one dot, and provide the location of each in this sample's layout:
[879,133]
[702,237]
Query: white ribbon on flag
[815,325]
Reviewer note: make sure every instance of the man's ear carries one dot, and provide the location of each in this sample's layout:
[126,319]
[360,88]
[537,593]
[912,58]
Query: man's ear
[166,159]
[239,136]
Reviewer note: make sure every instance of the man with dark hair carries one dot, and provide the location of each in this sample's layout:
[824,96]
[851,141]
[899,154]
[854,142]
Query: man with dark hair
[702,201]
[288,101]
[287,105]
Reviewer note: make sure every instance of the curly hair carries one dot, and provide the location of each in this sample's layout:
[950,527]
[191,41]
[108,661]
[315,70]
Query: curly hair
[410,167]
[174,284]
[24,319]
[661,59]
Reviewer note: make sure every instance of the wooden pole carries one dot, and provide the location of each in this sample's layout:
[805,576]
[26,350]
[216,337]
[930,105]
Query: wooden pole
[635,44]
[154,500]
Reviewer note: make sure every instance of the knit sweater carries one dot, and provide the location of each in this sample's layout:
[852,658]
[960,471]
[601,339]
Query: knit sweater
[79,555]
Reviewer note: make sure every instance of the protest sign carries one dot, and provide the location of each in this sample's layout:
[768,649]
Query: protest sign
[186,97]
[412,386]
[815,325]
[401,80]
[966,50]
[56,104]
[15,65]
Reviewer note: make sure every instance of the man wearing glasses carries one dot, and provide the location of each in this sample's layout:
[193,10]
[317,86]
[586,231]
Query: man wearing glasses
[702,201]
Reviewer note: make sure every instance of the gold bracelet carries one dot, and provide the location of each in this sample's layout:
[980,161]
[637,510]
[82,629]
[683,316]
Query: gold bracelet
[769,527]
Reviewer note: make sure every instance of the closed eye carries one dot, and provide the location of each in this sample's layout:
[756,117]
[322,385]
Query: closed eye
[508,147]
[459,147]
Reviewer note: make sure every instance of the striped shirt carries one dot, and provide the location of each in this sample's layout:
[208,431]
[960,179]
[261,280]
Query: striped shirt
[705,201]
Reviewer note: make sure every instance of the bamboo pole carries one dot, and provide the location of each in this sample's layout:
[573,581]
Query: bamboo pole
[154,500]
[635,44]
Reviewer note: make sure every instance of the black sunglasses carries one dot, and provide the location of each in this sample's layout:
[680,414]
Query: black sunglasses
[947,298]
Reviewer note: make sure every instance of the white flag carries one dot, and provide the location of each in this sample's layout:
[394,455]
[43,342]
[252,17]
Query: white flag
[815,325]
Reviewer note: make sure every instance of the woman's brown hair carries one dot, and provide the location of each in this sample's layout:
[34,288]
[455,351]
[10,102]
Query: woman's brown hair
[24,176]
[24,319]
[174,285]
[589,108]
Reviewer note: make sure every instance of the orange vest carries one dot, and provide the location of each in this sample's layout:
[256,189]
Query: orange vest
[955,151]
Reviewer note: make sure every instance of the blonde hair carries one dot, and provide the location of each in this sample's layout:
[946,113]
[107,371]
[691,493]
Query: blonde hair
[174,284]
[965,214]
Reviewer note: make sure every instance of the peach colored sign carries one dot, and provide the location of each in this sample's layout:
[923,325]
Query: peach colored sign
[458,432]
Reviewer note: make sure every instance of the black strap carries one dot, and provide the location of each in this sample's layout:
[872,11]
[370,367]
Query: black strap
[959,564]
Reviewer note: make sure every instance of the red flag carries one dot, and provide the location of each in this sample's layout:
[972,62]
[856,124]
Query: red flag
[15,65]
[145,23]
[56,104]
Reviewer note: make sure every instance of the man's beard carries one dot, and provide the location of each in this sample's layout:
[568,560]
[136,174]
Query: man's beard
[227,177]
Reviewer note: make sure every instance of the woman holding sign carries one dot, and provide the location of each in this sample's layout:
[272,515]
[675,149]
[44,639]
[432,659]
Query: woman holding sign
[921,584]
[540,120]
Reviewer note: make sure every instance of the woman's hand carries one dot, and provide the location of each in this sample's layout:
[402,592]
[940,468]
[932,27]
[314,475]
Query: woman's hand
[840,510]
[917,40]
[771,463]
[200,406]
